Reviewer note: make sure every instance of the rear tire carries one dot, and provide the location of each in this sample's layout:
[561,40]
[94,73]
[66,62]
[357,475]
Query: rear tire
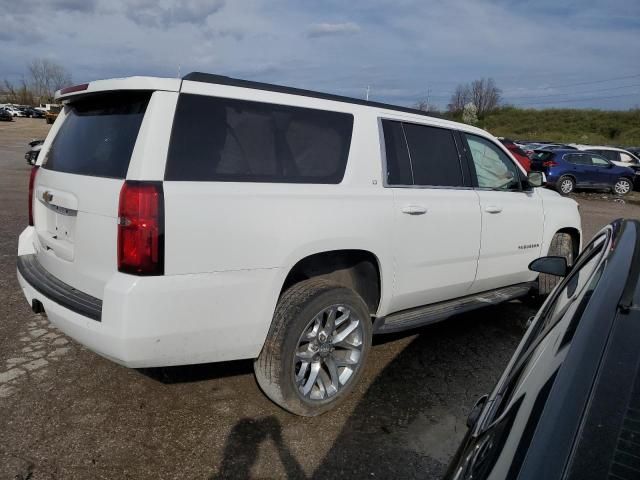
[312,358]
[565,185]
[622,186]
[561,246]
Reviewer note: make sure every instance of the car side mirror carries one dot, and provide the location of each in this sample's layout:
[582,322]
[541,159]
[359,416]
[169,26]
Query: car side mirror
[476,410]
[535,179]
[551,265]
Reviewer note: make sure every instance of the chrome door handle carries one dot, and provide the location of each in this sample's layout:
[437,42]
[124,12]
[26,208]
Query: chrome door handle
[493,209]
[414,210]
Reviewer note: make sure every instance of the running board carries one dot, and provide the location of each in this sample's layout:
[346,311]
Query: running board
[417,317]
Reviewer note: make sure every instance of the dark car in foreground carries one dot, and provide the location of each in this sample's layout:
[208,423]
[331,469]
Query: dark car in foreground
[568,404]
[567,170]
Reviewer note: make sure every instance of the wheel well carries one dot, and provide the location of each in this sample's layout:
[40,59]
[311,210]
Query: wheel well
[575,239]
[355,269]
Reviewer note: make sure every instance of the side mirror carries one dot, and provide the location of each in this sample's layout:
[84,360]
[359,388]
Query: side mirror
[476,410]
[536,179]
[551,265]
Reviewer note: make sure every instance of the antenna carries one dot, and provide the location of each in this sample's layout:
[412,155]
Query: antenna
[368,88]
[179,76]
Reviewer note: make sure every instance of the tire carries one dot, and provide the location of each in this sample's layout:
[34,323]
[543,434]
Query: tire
[565,185]
[561,246]
[622,186]
[302,310]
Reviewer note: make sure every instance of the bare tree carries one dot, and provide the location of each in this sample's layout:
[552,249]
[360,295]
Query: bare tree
[17,93]
[459,99]
[483,93]
[425,106]
[47,77]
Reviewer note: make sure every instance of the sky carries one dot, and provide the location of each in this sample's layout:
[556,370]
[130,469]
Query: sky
[545,53]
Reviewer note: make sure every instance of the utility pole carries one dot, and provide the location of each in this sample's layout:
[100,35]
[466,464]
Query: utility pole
[428,96]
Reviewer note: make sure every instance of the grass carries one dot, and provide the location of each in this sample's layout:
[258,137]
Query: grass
[596,127]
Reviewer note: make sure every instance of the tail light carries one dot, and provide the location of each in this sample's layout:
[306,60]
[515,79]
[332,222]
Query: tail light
[141,228]
[32,182]
[550,163]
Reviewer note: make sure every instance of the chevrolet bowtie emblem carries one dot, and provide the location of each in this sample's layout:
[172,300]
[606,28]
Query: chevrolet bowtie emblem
[47,196]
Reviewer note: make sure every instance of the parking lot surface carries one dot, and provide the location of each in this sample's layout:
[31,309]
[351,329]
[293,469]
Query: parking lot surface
[68,413]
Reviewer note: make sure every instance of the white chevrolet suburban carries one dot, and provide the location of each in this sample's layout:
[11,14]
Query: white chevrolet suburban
[182,221]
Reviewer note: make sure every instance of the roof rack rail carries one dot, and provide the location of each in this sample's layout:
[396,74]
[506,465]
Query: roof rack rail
[235,82]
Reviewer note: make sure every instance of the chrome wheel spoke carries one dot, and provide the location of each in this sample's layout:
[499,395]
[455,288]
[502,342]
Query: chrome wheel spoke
[345,332]
[334,378]
[313,375]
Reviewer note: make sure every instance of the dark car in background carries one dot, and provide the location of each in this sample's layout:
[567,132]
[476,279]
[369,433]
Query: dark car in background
[34,150]
[33,113]
[567,170]
[568,404]
[5,116]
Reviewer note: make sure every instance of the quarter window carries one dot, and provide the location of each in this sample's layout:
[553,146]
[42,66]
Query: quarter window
[493,168]
[227,140]
[398,163]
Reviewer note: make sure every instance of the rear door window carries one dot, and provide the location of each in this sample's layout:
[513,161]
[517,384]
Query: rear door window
[434,156]
[578,159]
[228,140]
[98,135]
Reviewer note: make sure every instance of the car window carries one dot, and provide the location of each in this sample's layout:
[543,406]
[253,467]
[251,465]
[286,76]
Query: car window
[624,157]
[578,159]
[98,135]
[608,154]
[397,155]
[228,140]
[434,156]
[599,161]
[493,168]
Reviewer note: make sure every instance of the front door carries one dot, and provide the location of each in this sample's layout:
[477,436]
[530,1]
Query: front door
[512,219]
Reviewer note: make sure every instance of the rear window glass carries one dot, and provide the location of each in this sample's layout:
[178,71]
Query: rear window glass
[227,140]
[98,135]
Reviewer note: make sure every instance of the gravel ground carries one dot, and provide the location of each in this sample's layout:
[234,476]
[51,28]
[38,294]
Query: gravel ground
[67,413]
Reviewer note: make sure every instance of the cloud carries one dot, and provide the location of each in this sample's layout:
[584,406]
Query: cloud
[152,13]
[402,49]
[331,29]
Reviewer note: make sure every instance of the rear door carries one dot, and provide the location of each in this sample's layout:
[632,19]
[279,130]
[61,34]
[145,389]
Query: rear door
[601,171]
[78,184]
[512,219]
[581,168]
[436,232]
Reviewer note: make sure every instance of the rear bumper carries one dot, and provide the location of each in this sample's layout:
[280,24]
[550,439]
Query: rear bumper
[57,291]
[164,320]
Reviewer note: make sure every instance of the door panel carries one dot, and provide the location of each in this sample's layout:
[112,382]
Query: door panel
[512,232]
[436,252]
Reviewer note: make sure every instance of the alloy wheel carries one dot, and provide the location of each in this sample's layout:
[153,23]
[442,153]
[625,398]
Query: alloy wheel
[622,187]
[566,186]
[328,353]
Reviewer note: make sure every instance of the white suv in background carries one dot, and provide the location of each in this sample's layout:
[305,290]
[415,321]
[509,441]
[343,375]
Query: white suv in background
[618,156]
[181,221]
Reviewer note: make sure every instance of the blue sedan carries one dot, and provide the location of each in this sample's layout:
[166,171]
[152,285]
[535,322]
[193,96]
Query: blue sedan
[567,170]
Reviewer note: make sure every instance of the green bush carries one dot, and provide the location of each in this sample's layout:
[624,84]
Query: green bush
[565,125]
